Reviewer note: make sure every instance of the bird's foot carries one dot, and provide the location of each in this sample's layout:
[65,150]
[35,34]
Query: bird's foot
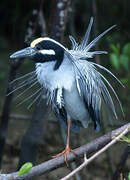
[65,152]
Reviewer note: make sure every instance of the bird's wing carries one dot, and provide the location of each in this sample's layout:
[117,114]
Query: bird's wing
[91,85]
[90,82]
[92,90]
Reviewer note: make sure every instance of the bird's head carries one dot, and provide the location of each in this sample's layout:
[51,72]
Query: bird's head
[43,50]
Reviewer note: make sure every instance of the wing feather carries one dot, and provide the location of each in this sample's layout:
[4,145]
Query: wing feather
[91,84]
[90,90]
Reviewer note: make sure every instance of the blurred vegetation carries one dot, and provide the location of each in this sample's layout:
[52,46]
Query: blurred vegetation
[15,17]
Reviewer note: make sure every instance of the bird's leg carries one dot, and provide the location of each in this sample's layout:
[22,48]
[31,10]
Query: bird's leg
[67,148]
[68,135]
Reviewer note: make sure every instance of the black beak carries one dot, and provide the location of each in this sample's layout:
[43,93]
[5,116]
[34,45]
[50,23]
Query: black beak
[27,52]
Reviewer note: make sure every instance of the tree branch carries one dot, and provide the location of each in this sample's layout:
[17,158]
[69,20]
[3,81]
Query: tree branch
[87,161]
[59,161]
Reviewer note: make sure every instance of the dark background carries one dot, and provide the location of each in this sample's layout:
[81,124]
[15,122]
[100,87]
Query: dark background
[21,23]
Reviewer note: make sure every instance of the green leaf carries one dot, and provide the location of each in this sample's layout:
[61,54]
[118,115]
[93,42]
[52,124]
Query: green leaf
[126,139]
[129,176]
[25,169]
[115,48]
[126,50]
[124,60]
[114,61]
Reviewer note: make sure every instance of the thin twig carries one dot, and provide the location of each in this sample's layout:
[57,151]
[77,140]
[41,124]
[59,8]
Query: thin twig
[87,161]
[59,161]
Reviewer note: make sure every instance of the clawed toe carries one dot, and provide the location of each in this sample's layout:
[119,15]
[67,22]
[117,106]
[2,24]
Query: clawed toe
[65,152]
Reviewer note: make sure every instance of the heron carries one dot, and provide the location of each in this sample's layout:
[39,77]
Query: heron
[75,88]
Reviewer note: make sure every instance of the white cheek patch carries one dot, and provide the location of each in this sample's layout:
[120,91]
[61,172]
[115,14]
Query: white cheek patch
[47,52]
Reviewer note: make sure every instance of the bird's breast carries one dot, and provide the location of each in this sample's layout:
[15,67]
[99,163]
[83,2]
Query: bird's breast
[64,78]
[52,79]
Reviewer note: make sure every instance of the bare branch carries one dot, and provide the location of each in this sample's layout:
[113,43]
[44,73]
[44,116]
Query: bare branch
[59,161]
[87,161]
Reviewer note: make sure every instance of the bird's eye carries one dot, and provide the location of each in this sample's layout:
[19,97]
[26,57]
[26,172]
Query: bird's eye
[38,48]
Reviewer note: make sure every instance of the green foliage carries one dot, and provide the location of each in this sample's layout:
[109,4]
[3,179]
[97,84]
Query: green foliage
[120,57]
[126,50]
[115,48]
[25,169]
[124,61]
[126,139]
[129,176]
[114,61]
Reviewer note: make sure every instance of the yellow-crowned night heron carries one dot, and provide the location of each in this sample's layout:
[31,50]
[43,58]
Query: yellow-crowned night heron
[75,88]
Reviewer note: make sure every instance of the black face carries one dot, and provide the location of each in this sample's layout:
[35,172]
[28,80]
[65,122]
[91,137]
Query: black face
[48,50]
[43,50]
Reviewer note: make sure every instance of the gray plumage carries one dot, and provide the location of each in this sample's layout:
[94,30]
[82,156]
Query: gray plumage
[75,88]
